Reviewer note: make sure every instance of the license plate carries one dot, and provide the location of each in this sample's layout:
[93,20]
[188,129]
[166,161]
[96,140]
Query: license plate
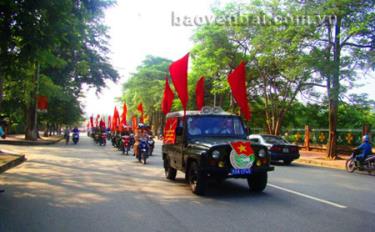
[285,150]
[236,171]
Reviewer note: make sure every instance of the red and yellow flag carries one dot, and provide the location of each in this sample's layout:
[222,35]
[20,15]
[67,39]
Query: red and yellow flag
[242,148]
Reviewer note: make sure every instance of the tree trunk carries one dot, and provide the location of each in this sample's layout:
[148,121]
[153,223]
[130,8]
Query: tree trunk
[1,88]
[31,132]
[334,94]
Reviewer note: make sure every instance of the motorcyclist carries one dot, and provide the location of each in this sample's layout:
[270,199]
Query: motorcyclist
[140,134]
[75,130]
[365,149]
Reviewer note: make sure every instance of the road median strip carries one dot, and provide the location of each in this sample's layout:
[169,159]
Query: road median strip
[322,163]
[8,161]
[23,142]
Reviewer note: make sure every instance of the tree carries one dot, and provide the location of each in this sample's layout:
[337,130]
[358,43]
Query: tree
[146,86]
[344,44]
[62,40]
[276,55]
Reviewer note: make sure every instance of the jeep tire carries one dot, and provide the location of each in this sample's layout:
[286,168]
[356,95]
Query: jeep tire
[197,179]
[257,182]
[170,173]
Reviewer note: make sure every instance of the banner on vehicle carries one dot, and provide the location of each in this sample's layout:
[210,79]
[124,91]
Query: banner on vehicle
[170,131]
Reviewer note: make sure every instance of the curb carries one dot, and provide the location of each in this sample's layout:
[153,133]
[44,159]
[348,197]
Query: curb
[13,163]
[29,143]
[319,163]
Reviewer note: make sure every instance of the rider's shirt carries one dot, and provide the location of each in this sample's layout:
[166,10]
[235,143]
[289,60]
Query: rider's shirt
[366,149]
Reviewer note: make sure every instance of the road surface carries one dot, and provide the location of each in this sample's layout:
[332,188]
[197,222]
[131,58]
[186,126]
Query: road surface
[86,187]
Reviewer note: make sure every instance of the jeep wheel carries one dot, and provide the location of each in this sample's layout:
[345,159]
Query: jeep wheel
[197,179]
[170,173]
[257,182]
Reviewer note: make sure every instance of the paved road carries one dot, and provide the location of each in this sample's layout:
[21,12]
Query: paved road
[91,188]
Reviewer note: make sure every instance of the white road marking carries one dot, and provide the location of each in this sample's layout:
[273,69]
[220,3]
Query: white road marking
[308,196]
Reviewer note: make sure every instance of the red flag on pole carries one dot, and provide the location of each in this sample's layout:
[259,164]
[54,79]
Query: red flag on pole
[97,120]
[134,123]
[102,124]
[109,121]
[92,121]
[237,82]
[199,92]
[140,109]
[179,71]
[123,115]
[168,96]
[42,103]
[115,120]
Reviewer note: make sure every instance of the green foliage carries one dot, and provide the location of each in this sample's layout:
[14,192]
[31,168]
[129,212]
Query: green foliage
[146,86]
[65,42]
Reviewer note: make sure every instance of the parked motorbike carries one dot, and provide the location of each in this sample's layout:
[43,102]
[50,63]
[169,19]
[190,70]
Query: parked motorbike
[353,164]
[143,151]
[75,138]
[103,139]
[125,144]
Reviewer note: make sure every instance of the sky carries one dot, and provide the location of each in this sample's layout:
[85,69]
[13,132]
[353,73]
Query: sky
[140,28]
[143,27]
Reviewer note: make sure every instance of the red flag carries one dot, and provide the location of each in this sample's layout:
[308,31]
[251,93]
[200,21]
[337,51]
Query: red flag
[123,115]
[42,103]
[115,120]
[140,109]
[109,121]
[242,148]
[134,123]
[178,71]
[102,124]
[168,96]
[97,120]
[199,93]
[237,82]
[92,121]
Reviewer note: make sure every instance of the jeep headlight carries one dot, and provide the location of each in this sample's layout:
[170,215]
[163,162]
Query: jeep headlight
[215,154]
[262,153]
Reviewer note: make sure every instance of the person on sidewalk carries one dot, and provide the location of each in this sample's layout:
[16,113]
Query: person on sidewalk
[2,133]
[66,135]
[365,149]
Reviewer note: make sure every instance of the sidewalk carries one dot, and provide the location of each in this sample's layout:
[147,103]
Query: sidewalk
[9,159]
[319,159]
[20,140]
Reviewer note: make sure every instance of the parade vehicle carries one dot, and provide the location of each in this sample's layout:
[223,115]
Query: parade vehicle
[212,144]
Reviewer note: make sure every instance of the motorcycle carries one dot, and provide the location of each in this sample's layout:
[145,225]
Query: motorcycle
[143,151]
[151,144]
[109,135]
[125,144]
[353,164]
[103,139]
[75,138]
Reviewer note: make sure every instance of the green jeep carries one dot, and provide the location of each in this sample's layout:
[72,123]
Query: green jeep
[212,143]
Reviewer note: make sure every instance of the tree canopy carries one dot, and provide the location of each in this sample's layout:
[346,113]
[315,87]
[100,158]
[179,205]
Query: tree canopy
[51,48]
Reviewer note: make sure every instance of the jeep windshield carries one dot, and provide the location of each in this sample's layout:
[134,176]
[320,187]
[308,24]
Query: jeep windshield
[215,126]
